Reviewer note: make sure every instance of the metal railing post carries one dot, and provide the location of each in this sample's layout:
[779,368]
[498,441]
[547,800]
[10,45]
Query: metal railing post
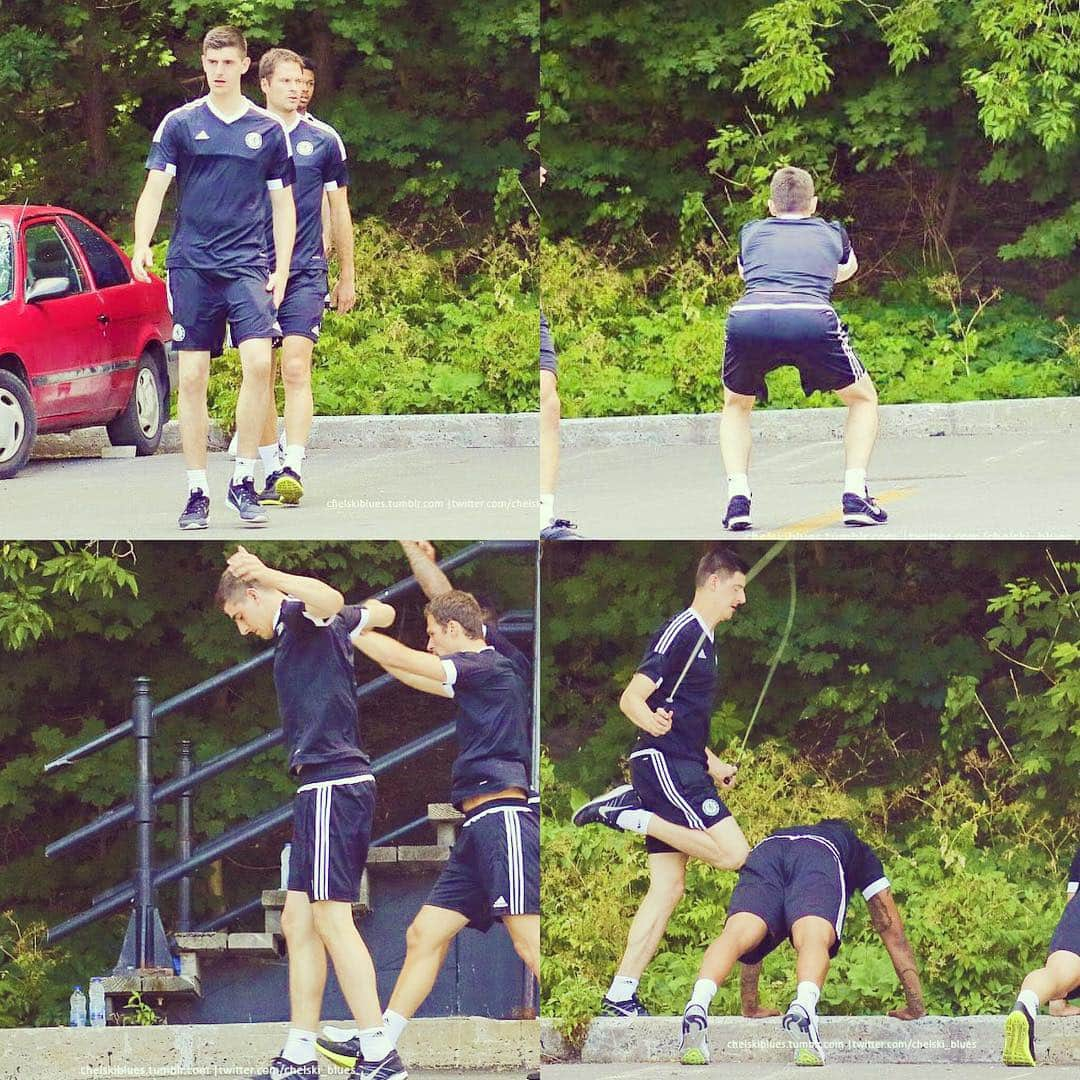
[144,820]
[183,836]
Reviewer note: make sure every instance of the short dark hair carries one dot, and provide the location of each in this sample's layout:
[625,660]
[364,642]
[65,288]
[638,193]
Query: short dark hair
[230,589]
[224,37]
[722,561]
[307,64]
[270,59]
[791,190]
[459,606]
[487,604]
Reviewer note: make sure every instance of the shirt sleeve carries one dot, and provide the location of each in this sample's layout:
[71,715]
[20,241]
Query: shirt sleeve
[296,618]
[845,244]
[1074,874]
[667,654]
[281,172]
[165,149]
[869,875]
[353,617]
[547,345]
[335,168]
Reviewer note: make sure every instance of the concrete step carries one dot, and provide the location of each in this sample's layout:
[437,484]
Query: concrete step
[213,944]
[447,822]
[878,1039]
[408,858]
[155,986]
[273,902]
[244,1050]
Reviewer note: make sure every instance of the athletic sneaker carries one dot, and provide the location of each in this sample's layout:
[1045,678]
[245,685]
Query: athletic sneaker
[694,1048]
[197,512]
[737,517]
[289,487]
[283,1069]
[242,498]
[560,529]
[801,1029]
[341,1051]
[862,511]
[1019,1046]
[390,1068]
[269,495]
[605,808]
[633,1007]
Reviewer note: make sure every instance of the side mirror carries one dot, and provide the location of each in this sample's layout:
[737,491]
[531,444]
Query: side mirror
[47,288]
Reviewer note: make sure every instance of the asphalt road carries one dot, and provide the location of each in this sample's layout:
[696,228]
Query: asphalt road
[764,1071]
[951,487]
[439,491]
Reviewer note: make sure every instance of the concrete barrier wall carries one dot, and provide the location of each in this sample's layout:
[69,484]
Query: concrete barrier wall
[877,1039]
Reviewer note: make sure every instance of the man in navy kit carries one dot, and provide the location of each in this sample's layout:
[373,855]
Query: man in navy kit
[321,173]
[316,690]
[796,884]
[494,868]
[790,263]
[673,798]
[1058,979]
[226,154]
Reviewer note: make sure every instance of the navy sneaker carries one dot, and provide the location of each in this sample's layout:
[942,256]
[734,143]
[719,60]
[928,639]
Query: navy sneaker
[633,1007]
[242,498]
[860,510]
[290,488]
[801,1029]
[694,1048]
[269,496]
[604,809]
[283,1069]
[197,512]
[1019,1048]
[737,518]
[341,1051]
[390,1068]
[560,529]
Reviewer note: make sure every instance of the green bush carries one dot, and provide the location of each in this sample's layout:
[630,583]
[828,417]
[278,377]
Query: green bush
[650,339]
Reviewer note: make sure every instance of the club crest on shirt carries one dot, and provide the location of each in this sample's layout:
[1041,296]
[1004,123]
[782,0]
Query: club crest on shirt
[178,333]
[253,140]
[305,148]
[710,807]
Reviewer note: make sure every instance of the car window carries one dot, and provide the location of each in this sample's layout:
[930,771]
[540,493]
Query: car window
[105,264]
[47,255]
[7,264]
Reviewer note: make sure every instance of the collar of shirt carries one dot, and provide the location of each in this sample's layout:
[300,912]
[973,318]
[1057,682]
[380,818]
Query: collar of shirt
[244,106]
[279,626]
[701,622]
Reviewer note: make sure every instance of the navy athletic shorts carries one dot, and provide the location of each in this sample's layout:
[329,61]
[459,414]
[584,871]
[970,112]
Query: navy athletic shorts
[1067,935]
[303,306]
[331,833]
[204,302]
[494,867]
[770,330]
[678,790]
[785,878]
[548,360]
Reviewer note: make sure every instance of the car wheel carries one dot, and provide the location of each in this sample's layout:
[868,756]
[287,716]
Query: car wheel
[18,424]
[140,423]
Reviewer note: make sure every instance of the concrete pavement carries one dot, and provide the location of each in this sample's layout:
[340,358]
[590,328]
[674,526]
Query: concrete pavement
[729,1071]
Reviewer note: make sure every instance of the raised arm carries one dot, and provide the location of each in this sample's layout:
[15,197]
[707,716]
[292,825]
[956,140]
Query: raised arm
[388,653]
[426,571]
[320,600]
[885,916]
[635,707]
[421,682]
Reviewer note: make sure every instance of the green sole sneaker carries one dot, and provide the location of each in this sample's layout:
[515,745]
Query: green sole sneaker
[694,1057]
[1018,1040]
[290,491]
[803,1056]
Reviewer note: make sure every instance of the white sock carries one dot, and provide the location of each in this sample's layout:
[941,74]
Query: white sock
[196,481]
[375,1044]
[634,820]
[244,469]
[738,484]
[293,458]
[622,988]
[269,456]
[394,1025]
[1030,1000]
[807,995]
[300,1047]
[547,509]
[855,481]
[704,992]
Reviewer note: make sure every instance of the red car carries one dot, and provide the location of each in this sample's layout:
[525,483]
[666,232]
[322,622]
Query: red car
[82,342]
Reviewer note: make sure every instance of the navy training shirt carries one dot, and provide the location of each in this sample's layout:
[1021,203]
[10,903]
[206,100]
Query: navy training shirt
[223,170]
[1074,874]
[683,642]
[792,255]
[861,866]
[316,688]
[320,162]
[492,723]
[505,647]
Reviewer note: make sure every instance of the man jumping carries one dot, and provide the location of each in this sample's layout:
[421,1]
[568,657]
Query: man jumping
[334,806]
[1058,979]
[673,800]
[796,884]
[790,263]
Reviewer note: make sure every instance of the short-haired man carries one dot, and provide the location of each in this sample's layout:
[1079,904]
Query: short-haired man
[494,867]
[335,800]
[226,154]
[1057,980]
[797,884]
[321,172]
[673,799]
[790,263]
[307,84]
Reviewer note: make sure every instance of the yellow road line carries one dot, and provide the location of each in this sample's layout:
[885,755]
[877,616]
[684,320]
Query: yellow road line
[823,521]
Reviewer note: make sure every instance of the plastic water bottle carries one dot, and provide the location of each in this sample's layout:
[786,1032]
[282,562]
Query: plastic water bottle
[97,1002]
[78,1008]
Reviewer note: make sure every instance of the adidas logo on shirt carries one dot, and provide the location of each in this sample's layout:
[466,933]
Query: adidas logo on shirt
[201,135]
[501,902]
[702,656]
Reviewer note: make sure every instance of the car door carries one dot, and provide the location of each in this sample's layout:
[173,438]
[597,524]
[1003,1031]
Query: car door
[64,335]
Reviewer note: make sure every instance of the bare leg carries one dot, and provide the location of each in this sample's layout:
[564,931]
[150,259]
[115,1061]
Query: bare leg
[667,879]
[861,428]
[735,432]
[269,428]
[251,405]
[352,961]
[307,962]
[524,931]
[1058,977]
[296,375]
[722,846]
[194,418]
[812,937]
[426,943]
[742,932]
